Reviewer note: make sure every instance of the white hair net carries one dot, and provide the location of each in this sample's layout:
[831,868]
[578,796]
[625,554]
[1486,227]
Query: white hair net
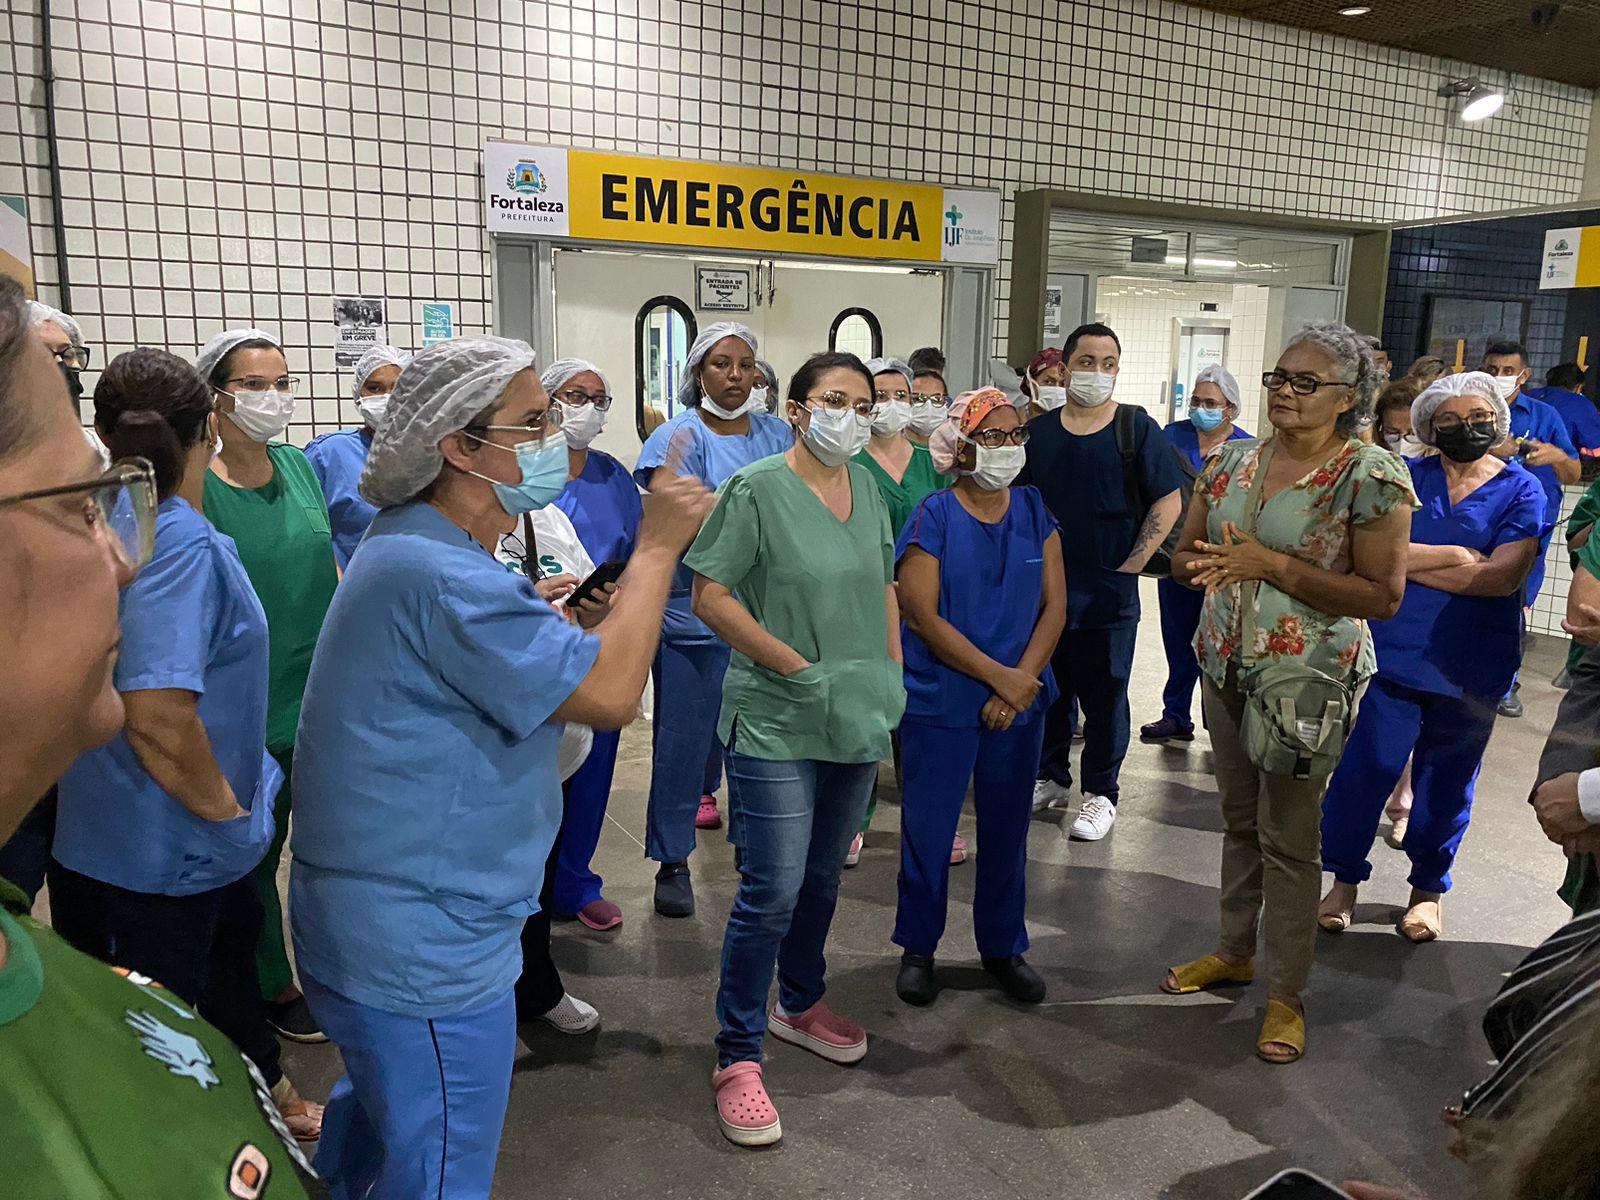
[219,347]
[438,393]
[1220,375]
[378,356]
[38,314]
[882,366]
[771,373]
[688,388]
[1468,383]
[559,372]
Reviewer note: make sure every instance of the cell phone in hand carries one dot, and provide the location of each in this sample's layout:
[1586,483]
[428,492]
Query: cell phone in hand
[1295,1184]
[594,586]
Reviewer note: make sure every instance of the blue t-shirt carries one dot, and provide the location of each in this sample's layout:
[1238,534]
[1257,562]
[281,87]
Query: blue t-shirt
[1536,419]
[426,789]
[1581,416]
[338,459]
[190,621]
[1081,480]
[603,505]
[712,458]
[1454,645]
[991,581]
[1183,435]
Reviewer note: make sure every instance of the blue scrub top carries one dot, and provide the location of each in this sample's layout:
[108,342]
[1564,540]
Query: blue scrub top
[1081,480]
[426,789]
[1186,438]
[338,459]
[603,504]
[1581,416]
[1536,419]
[191,621]
[713,459]
[991,580]
[1462,645]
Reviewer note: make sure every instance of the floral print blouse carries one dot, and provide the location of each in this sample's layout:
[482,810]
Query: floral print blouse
[1311,519]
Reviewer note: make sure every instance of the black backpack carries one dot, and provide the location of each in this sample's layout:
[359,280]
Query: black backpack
[1124,425]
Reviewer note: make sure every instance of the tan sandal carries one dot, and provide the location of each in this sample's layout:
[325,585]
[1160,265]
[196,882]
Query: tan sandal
[1334,917]
[303,1118]
[1206,972]
[1283,1027]
[1424,920]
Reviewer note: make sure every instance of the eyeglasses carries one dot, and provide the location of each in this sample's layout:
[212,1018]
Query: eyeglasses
[1300,385]
[993,439]
[121,503]
[1451,421]
[257,383]
[575,398]
[919,400]
[838,401]
[73,356]
[539,424]
[885,397]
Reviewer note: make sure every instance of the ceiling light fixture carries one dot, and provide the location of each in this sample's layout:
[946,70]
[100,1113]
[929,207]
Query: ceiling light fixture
[1478,100]
[1355,10]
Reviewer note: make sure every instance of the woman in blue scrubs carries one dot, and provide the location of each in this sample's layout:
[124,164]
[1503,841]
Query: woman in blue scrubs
[1444,660]
[338,458]
[984,596]
[602,502]
[1213,408]
[717,430]
[159,831]
[427,765]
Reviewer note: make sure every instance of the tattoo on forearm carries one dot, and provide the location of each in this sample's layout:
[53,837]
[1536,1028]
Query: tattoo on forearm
[1145,544]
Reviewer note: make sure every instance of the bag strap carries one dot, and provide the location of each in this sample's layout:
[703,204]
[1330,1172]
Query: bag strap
[1248,592]
[1122,426]
[532,547]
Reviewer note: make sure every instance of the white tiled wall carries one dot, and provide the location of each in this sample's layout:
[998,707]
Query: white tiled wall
[233,161]
[1550,606]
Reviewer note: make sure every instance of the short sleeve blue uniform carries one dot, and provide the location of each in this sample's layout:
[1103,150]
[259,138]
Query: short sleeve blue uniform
[990,580]
[426,790]
[1185,438]
[1580,414]
[338,460]
[1535,419]
[190,621]
[603,503]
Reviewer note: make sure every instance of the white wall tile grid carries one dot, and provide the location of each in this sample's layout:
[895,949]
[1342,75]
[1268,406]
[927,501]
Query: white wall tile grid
[1141,312]
[247,161]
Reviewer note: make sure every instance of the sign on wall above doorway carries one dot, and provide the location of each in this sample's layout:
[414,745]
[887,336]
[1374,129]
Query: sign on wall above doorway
[722,289]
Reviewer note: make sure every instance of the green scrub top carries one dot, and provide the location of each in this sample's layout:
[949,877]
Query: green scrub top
[286,545]
[920,480]
[816,583]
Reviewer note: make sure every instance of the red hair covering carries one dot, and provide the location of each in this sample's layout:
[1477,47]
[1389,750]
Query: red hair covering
[1043,361]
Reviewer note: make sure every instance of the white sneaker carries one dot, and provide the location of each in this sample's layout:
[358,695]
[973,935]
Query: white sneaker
[1094,819]
[853,855]
[1047,793]
[572,1015]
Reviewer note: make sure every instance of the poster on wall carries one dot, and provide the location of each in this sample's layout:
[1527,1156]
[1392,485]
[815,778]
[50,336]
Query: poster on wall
[1560,264]
[438,321]
[1052,312]
[361,327]
[722,289]
[16,254]
[1460,328]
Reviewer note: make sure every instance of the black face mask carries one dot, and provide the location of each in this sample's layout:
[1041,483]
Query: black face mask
[74,378]
[1466,443]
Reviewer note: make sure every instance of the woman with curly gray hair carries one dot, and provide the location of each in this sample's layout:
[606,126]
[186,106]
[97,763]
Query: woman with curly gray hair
[1298,540]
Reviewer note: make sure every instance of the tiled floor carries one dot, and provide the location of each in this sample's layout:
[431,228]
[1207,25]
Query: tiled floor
[1107,1090]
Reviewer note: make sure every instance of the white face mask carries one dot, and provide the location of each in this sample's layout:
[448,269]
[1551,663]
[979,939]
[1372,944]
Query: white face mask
[925,418]
[1050,397]
[891,417]
[1091,388]
[374,410]
[1506,385]
[261,415]
[758,398]
[727,414]
[581,423]
[998,466]
[1408,445]
[836,436]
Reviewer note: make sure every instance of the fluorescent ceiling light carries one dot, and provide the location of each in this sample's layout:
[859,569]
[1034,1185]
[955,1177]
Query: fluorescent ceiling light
[1355,10]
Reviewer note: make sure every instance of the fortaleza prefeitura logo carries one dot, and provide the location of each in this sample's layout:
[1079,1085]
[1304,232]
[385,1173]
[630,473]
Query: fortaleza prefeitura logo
[529,184]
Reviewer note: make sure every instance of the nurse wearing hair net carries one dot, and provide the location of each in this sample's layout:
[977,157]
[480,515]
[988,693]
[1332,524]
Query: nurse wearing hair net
[338,458]
[1213,408]
[427,769]
[1445,659]
[63,337]
[263,494]
[717,430]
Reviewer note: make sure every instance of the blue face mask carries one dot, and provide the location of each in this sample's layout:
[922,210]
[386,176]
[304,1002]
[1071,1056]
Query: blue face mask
[1207,419]
[544,474]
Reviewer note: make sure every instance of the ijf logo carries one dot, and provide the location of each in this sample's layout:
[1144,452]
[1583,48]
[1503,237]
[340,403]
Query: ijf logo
[526,179]
[952,233]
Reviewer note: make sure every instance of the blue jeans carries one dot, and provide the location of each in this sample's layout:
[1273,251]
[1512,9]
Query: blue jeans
[790,823]
[582,817]
[1180,617]
[1092,665]
[422,1103]
[939,761]
[1445,738]
[686,759]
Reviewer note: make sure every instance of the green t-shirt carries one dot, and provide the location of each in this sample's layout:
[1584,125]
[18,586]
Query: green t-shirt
[817,584]
[920,480]
[111,1087]
[286,546]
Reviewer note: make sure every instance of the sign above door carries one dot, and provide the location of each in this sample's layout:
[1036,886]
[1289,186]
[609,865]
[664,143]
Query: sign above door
[552,192]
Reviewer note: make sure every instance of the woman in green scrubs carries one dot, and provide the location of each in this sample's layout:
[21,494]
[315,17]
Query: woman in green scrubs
[263,494]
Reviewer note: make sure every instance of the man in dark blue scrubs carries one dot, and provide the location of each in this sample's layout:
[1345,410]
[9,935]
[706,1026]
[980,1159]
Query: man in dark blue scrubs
[1110,479]
[1563,391]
